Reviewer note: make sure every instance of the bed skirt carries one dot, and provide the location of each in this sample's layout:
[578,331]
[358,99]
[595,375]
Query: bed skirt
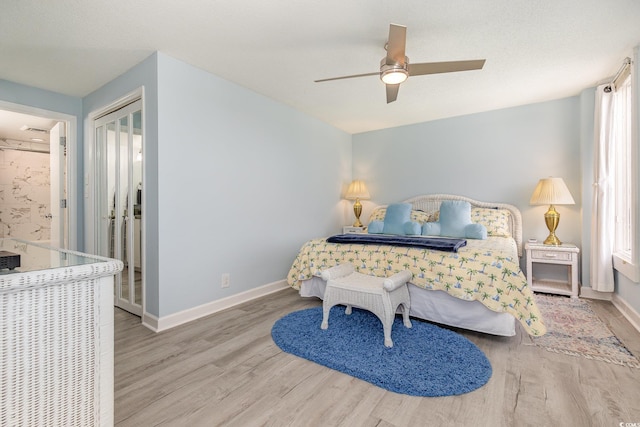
[438,307]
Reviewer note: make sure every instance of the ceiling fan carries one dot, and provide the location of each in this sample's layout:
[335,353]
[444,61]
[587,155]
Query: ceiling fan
[395,67]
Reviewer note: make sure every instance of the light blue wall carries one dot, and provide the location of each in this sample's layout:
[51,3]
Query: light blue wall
[494,156]
[243,182]
[587,110]
[38,98]
[628,290]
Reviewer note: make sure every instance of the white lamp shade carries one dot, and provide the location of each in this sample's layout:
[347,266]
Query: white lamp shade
[357,190]
[551,191]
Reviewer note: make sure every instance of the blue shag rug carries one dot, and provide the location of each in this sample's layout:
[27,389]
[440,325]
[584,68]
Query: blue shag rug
[425,360]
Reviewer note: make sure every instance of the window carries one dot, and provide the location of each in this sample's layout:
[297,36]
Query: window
[624,179]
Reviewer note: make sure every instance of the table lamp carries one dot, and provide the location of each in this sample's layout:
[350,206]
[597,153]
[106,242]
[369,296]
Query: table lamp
[552,191]
[356,191]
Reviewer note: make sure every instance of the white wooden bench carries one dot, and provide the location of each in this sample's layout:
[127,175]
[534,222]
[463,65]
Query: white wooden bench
[381,296]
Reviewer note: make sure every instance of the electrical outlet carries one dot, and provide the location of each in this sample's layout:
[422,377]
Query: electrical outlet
[226,280]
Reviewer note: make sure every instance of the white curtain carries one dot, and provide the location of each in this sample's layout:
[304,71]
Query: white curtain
[603,210]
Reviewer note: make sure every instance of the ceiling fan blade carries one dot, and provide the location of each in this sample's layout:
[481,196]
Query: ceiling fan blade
[396,44]
[392,92]
[347,77]
[444,67]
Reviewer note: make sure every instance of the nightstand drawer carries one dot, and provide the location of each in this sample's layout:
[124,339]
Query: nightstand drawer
[560,256]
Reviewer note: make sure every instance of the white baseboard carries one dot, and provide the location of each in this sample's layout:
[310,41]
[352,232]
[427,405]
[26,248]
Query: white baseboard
[150,321]
[171,321]
[627,311]
[586,292]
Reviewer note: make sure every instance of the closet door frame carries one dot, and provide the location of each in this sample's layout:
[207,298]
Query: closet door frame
[92,182]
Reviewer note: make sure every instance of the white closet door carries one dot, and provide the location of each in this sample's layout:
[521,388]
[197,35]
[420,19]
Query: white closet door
[118,224]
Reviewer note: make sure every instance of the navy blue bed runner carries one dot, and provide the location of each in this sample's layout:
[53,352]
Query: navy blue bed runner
[438,243]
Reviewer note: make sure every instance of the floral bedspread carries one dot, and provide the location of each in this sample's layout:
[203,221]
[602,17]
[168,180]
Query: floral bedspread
[485,270]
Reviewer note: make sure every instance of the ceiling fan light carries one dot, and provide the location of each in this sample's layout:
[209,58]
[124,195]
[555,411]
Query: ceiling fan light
[394,77]
[394,74]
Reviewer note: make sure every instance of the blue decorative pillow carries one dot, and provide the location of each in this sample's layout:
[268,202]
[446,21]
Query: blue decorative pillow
[395,217]
[475,231]
[412,228]
[455,221]
[375,227]
[455,215]
[431,229]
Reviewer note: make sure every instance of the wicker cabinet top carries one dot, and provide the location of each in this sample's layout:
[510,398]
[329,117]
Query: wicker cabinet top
[41,265]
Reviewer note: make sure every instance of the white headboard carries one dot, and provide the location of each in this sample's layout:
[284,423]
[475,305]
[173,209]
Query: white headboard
[431,202]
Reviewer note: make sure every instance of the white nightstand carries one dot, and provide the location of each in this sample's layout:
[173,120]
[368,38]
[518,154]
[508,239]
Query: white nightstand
[565,254]
[347,229]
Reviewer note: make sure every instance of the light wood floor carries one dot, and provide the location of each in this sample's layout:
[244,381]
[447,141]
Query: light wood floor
[226,370]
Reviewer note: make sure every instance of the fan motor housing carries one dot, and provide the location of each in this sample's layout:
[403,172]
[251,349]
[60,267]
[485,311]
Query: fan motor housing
[394,73]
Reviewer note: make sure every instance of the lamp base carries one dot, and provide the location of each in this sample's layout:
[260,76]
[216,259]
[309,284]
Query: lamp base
[357,211]
[552,219]
[553,240]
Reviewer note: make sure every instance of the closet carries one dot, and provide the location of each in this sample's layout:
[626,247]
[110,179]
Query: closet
[118,200]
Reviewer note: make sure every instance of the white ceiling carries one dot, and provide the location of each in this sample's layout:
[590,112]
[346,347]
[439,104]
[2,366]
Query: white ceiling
[536,50]
[13,124]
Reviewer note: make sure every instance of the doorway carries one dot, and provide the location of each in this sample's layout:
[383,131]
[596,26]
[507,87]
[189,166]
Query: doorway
[118,199]
[35,175]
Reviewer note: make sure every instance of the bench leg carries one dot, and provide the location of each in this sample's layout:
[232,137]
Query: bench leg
[326,309]
[387,333]
[347,310]
[387,319]
[405,316]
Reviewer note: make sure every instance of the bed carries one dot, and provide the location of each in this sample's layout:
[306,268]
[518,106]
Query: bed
[480,287]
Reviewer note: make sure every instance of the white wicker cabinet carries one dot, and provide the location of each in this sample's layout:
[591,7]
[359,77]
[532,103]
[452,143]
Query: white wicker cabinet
[564,255]
[56,338]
